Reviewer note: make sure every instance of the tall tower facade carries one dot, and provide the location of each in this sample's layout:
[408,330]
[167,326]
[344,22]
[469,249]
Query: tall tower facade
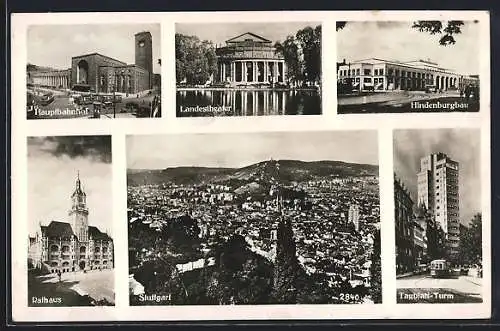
[79,212]
[144,53]
[437,184]
[353,215]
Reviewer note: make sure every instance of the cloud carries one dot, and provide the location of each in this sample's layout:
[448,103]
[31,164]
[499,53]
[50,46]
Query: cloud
[53,164]
[98,148]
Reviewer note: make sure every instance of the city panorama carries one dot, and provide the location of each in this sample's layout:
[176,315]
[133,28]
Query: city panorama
[222,225]
[248,69]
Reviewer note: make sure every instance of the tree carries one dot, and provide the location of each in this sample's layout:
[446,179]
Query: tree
[376,270]
[242,277]
[289,49]
[310,41]
[195,60]
[470,251]
[447,30]
[302,54]
[436,244]
[286,266]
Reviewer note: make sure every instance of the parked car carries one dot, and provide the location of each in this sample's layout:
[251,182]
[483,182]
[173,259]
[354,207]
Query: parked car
[46,99]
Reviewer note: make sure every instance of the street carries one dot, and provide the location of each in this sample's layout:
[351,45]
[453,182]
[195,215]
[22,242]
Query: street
[61,107]
[425,289]
[401,102]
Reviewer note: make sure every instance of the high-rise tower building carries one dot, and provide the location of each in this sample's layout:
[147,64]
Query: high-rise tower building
[353,216]
[144,53]
[437,184]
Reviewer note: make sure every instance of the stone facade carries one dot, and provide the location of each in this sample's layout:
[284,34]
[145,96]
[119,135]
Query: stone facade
[382,75]
[403,213]
[249,59]
[102,74]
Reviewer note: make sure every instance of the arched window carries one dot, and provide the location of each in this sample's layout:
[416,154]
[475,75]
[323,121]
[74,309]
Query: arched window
[54,248]
[65,249]
[82,72]
[97,249]
[83,249]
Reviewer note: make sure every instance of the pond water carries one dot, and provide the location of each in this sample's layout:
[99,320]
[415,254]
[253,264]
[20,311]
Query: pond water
[255,102]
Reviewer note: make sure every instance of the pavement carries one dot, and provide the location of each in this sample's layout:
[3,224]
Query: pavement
[96,284]
[456,289]
[401,101]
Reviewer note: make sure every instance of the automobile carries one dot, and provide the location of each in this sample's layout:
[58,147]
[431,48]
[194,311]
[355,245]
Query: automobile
[430,89]
[423,268]
[440,268]
[97,109]
[84,99]
[46,99]
[464,270]
[107,100]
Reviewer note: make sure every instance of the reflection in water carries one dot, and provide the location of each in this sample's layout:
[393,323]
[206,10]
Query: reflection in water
[231,102]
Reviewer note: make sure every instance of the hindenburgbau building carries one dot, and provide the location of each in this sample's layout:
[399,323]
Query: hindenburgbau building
[382,75]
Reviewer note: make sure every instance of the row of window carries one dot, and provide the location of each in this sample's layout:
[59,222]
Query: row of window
[65,249]
[390,72]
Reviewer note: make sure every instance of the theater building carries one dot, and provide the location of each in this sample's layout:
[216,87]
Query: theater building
[102,74]
[382,75]
[249,59]
[71,246]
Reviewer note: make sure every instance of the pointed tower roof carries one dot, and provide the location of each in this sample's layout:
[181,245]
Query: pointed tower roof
[78,186]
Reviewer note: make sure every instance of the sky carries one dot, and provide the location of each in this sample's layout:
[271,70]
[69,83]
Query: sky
[399,41]
[235,150]
[53,164]
[55,45]
[218,33]
[461,145]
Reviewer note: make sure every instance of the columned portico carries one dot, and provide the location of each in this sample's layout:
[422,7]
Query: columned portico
[260,71]
[249,59]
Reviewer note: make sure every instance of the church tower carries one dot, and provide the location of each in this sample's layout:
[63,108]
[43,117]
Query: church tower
[144,53]
[79,212]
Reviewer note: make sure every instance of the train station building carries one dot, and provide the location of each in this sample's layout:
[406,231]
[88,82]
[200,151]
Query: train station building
[102,74]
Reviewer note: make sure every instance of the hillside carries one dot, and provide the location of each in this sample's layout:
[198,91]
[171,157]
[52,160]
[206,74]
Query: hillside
[289,170]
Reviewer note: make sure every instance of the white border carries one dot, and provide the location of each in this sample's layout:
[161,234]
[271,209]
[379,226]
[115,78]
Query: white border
[119,128]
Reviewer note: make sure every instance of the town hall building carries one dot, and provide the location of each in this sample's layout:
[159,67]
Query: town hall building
[71,246]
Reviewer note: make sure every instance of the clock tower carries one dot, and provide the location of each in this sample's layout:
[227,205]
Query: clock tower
[79,212]
[144,53]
